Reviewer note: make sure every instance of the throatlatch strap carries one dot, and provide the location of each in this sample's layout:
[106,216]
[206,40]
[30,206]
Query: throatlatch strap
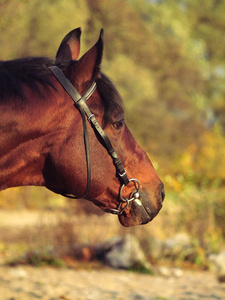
[70,89]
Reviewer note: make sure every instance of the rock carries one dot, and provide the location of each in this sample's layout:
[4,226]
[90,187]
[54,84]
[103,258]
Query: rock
[176,247]
[126,253]
[217,262]
[177,244]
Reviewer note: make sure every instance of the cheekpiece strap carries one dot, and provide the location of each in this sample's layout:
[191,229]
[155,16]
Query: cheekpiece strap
[80,103]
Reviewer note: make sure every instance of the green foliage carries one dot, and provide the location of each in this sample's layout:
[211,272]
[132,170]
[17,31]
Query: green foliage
[141,269]
[197,213]
[36,28]
[38,259]
[165,57]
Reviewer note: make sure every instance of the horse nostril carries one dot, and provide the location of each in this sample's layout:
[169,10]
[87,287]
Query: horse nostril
[163,194]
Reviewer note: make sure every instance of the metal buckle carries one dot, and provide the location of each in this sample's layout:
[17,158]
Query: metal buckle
[89,118]
[123,174]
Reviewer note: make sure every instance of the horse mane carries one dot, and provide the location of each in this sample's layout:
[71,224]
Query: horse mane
[33,71]
[110,97]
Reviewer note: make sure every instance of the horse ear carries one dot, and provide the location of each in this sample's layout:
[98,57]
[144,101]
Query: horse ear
[69,48]
[88,66]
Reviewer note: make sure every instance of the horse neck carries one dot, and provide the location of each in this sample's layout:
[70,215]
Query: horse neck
[26,137]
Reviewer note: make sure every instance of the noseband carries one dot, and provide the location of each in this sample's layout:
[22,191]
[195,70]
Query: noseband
[80,104]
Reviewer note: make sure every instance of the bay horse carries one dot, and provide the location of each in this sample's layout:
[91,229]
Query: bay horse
[45,139]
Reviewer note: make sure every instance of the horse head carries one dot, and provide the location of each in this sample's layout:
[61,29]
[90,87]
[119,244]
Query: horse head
[46,133]
[106,105]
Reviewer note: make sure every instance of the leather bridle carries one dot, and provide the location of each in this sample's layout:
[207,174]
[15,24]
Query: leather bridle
[80,104]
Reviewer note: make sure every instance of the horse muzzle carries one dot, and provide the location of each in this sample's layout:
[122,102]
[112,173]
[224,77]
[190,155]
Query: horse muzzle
[142,209]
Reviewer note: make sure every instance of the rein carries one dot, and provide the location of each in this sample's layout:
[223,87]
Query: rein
[80,104]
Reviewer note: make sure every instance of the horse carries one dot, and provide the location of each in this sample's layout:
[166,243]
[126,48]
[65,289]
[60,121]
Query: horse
[57,112]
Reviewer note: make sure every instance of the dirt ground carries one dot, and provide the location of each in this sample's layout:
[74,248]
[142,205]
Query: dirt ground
[28,283]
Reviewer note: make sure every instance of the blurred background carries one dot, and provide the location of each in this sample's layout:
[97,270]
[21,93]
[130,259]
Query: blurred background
[167,60]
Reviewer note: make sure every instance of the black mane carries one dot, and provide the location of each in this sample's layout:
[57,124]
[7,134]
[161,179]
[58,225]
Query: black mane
[33,71]
[30,71]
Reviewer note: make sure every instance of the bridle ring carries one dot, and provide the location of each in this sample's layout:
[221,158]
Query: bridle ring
[135,194]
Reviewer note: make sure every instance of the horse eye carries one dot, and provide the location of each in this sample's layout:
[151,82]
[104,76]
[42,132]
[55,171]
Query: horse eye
[119,124]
